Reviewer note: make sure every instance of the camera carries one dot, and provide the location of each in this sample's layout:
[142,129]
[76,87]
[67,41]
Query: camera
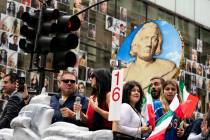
[21,82]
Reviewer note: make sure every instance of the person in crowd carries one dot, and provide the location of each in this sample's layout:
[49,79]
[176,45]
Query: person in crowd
[175,131]
[14,46]
[63,103]
[131,123]
[11,10]
[200,128]
[16,99]
[156,84]
[98,108]
[81,88]
[146,44]
[4,40]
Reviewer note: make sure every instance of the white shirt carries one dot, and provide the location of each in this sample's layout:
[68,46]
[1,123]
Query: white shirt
[130,121]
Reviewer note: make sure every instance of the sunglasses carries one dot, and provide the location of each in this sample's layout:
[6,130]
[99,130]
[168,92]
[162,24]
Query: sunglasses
[67,81]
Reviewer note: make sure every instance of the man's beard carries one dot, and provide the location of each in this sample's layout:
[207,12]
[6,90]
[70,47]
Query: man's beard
[155,94]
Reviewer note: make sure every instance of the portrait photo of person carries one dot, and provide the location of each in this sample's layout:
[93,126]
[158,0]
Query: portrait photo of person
[199,70]
[16,26]
[199,81]
[21,10]
[12,57]
[10,24]
[82,73]
[115,40]
[77,4]
[34,81]
[3,56]
[188,65]
[146,53]
[92,31]
[122,27]
[109,23]
[199,45]
[88,73]
[92,2]
[11,8]
[81,87]
[82,58]
[26,2]
[13,44]
[123,14]
[103,7]
[194,55]
[4,40]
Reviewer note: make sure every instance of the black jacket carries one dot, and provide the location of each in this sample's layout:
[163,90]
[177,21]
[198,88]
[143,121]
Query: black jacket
[11,110]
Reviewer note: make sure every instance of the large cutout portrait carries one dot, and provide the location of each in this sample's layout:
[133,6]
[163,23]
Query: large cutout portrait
[153,49]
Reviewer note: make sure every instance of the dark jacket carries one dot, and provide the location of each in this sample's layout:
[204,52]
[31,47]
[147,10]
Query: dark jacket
[11,110]
[54,103]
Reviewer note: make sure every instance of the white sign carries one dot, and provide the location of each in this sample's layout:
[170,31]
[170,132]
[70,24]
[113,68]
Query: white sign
[116,95]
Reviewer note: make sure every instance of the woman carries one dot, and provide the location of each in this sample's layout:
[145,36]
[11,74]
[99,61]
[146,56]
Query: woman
[170,89]
[131,121]
[98,108]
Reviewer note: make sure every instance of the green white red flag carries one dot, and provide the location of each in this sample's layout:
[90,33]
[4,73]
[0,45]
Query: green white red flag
[162,124]
[189,101]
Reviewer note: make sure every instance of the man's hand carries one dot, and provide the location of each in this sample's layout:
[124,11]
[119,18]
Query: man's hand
[67,113]
[77,107]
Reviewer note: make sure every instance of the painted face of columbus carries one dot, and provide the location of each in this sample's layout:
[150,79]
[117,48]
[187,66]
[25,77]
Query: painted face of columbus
[147,42]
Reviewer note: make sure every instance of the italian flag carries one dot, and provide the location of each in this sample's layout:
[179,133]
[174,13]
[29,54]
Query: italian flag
[189,101]
[176,107]
[162,124]
[150,113]
[159,132]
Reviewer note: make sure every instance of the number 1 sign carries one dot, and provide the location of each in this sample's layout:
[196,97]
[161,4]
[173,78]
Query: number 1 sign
[116,95]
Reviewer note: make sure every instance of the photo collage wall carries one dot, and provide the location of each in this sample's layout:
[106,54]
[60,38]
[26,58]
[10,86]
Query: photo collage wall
[10,23]
[118,27]
[195,74]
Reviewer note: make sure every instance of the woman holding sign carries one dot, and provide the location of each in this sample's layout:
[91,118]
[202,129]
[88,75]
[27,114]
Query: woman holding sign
[132,125]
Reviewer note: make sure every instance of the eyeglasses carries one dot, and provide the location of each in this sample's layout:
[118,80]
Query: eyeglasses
[69,80]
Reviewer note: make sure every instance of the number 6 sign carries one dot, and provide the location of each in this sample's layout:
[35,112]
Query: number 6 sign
[116,95]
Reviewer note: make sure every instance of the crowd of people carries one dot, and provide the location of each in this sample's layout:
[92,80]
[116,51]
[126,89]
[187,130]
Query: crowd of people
[94,110]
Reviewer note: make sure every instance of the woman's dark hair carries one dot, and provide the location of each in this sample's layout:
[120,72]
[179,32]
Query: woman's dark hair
[127,92]
[103,86]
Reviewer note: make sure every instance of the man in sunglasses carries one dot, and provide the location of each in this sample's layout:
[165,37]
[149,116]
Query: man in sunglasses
[64,103]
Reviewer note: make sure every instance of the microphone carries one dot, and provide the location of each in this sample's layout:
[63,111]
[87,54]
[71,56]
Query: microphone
[77,101]
[61,102]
